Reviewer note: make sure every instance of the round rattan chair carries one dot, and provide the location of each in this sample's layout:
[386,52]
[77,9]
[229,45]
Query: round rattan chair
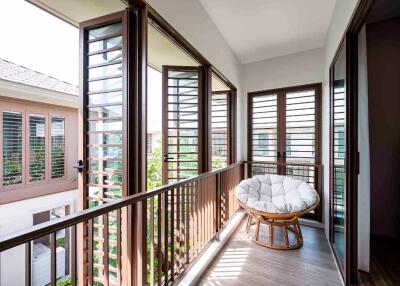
[276,201]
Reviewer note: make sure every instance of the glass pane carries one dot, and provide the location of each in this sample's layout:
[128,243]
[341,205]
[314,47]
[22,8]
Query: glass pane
[105,111]
[37,147]
[12,148]
[105,98]
[109,70]
[339,155]
[57,147]
[105,58]
[105,31]
[104,85]
[108,43]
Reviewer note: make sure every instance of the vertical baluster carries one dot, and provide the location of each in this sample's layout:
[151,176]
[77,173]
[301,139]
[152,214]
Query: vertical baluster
[173,232]
[28,264]
[166,238]
[90,252]
[210,190]
[203,213]
[197,218]
[201,228]
[182,244]
[53,259]
[178,231]
[106,251]
[217,202]
[209,214]
[187,226]
[151,258]
[73,255]
[159,253]
[119,244]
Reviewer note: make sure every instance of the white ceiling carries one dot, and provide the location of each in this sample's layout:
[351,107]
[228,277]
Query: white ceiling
[263,29]
[76,11]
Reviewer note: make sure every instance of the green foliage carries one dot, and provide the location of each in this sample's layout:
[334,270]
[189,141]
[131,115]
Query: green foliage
[154,168]
[67,281]
[60,242]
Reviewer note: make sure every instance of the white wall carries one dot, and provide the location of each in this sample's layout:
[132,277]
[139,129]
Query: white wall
[295,69]
[364,202]
[17,216]
[191,20]
[339,21]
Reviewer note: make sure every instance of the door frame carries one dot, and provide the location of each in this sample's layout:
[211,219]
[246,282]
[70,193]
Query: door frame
[349,271]
[200,119]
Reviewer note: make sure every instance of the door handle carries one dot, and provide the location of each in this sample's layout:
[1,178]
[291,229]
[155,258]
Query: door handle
[166,158]
[79,166]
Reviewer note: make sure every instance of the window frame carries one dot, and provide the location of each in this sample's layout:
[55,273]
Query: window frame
[281,117]
[27,189]
[281,136]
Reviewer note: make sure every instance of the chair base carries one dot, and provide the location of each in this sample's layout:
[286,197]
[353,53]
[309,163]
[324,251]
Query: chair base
[286,226]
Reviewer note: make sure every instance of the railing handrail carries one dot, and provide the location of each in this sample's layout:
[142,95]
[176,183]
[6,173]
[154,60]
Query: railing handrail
[46,228]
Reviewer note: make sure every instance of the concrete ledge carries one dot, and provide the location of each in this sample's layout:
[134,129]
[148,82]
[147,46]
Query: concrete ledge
[201,264]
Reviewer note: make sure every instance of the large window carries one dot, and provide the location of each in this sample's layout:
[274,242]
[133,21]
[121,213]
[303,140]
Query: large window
[284,134]
[32,146]
[284,125]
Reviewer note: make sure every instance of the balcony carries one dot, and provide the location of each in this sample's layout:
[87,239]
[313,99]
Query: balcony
[182,222]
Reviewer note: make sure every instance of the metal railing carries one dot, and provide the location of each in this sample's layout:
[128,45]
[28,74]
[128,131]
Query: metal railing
[182,218]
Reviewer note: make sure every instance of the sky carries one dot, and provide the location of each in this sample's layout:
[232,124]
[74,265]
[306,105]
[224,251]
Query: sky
[39,41]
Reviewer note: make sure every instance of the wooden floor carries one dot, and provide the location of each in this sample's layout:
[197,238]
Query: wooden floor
[243,262]
[384,263]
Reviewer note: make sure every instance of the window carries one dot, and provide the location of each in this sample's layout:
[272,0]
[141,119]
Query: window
[12,148]
[284,125]
[57,147]
[37,147]
[33,145]
[284,132]
[219,129]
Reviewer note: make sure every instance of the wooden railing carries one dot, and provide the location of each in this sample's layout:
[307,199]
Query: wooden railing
[182,218]
[310,173]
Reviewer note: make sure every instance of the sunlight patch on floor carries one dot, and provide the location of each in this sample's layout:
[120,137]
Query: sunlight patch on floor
[229,266]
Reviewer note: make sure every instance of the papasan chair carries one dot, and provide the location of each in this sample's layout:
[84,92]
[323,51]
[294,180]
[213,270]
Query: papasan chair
[276,201]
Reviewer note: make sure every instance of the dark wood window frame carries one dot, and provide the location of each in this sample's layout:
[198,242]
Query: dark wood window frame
[205,104]
[349,41]
[281,125]
[135,25]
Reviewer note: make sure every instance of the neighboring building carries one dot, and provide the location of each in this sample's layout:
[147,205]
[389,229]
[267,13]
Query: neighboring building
[38,148]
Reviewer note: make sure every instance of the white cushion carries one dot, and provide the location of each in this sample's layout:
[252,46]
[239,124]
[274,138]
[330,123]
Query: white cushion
[276,194]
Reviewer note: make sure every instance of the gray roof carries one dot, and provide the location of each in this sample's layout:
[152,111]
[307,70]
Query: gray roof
[16,73]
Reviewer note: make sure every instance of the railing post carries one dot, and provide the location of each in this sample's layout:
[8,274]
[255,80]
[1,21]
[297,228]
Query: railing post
[218,203]
[28,264]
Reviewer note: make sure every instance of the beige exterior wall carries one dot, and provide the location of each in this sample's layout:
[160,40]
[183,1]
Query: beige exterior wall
[69,181]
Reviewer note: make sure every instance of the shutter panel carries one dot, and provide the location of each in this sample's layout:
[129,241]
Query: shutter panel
[264,132]
[181,139]
[57,147]
[300,127]
[103,104]
[219,129]
[37,147]
[12,148]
